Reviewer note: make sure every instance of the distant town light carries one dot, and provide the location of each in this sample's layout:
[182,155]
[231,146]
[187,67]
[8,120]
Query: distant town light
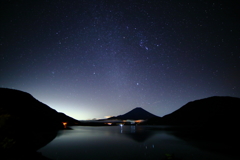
[64,124]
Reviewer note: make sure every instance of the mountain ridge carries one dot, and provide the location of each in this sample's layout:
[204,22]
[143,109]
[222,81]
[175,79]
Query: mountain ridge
[215,107]
[214,118]
[135,114]
[25,122]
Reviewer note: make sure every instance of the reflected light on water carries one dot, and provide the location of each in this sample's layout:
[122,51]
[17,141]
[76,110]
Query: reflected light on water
[85,142]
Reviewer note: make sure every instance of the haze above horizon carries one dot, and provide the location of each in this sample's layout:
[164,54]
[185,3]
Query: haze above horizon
[89,58]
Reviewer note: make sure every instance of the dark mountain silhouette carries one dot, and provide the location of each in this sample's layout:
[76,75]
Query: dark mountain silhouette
[208,111]
[26,123]
[136,114]
[214,118]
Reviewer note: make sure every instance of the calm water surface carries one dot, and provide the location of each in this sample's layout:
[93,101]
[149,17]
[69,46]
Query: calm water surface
[126,143]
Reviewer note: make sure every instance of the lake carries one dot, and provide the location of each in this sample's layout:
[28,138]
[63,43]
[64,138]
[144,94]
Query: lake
[129,142]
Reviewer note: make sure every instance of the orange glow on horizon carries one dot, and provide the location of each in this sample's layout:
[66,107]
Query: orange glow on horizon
[139,121]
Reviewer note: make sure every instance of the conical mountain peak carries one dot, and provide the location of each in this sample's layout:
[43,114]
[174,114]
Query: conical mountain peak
[137,113]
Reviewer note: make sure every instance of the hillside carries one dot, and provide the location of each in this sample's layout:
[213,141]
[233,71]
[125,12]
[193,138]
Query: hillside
[209,111]
[214,118]
[26,123]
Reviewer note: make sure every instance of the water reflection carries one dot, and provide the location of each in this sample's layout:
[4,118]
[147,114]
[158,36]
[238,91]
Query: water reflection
[121,128]
[136,133]
[123,142]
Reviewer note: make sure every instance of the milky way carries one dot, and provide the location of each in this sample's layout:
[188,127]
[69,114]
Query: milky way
[96,58]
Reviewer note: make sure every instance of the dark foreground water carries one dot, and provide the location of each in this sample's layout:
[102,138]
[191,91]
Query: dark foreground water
[129,143]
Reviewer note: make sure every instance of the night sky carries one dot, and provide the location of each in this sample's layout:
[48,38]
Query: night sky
[97,58]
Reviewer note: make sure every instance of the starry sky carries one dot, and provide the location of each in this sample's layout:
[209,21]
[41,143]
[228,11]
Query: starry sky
[97,58]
